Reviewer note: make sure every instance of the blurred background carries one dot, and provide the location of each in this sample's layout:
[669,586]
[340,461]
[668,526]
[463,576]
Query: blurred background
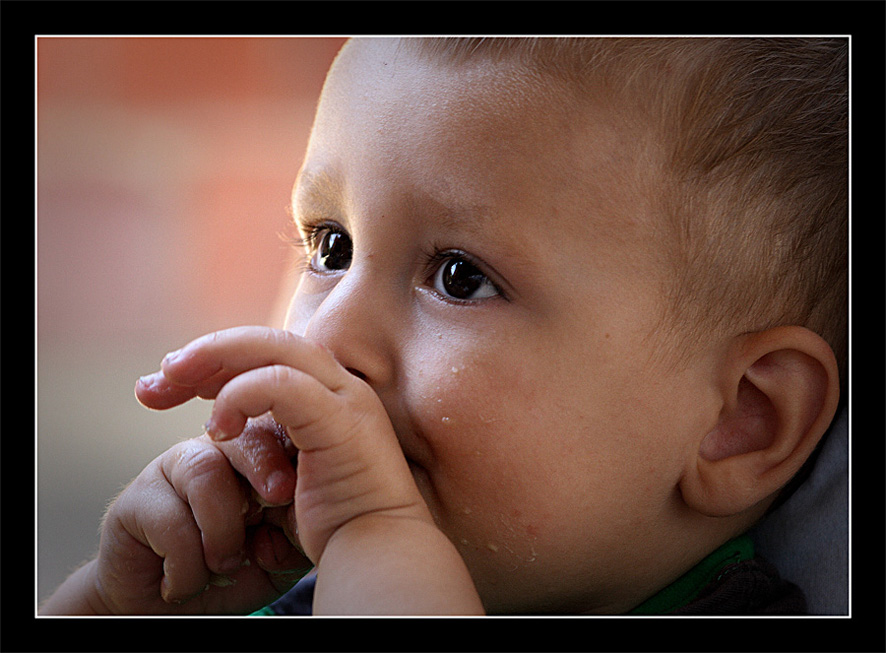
[164,167]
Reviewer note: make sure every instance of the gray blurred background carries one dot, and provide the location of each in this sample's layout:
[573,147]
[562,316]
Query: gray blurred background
[164,167]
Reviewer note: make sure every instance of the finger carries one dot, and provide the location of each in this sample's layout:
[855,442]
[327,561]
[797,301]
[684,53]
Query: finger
[263,455]
[201,475]
[156,392]
[313,414]
[275,553]
[209,362]
[152,513]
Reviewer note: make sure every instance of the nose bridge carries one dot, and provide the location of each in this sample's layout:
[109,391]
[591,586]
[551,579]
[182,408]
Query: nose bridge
[354,323]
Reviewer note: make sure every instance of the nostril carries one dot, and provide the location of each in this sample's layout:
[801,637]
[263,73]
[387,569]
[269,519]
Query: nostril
[356,373]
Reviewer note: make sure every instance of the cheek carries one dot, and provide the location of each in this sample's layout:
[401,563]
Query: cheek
[477,417]
[466,398]
[465,403]
[526,463]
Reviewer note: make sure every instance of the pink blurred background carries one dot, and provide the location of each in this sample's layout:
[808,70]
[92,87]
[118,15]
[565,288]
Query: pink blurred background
[164,167]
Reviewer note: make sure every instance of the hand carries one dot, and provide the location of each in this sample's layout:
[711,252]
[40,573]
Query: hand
[203,529]
[349,461]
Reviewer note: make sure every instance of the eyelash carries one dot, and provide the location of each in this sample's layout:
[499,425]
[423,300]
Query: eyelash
[437,256]
[308,237]
[305,239]
[313,233]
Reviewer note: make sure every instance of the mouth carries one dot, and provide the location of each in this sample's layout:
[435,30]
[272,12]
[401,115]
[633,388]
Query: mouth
[416,469]
[423,482]
[417,453]
[413,446]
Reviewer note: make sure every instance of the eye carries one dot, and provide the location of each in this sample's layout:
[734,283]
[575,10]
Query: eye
[333,250]
[458,278]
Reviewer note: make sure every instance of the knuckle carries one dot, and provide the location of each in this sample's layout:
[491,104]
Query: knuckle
[199,460]
[281,375]
[269,336]
[274,338]
[283,339]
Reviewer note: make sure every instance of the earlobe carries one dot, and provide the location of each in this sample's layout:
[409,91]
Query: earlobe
[780,392]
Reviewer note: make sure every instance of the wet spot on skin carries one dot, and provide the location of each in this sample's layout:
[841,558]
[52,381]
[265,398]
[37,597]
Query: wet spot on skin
[446,420]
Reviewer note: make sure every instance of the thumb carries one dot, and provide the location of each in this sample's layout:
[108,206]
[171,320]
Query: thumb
[265,456]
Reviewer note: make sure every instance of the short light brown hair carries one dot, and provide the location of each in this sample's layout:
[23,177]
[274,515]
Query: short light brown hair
[760,190]
[752,167]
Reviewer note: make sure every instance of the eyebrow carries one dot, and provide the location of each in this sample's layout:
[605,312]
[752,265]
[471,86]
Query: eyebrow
[470,216]
[316,192]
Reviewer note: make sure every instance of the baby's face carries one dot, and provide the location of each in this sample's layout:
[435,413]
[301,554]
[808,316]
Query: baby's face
[485,260]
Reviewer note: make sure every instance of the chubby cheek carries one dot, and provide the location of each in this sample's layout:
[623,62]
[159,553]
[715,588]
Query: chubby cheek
[475,419]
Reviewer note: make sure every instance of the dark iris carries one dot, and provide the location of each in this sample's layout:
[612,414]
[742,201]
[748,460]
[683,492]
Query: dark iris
[334,252]
[461,279]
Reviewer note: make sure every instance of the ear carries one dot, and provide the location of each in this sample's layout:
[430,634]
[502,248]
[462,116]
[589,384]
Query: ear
[780,390]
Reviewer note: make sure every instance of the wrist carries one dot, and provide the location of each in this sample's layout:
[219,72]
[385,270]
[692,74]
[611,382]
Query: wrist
[79,595]
[393,565]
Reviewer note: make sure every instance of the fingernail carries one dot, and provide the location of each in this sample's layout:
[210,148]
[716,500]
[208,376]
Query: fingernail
[213,431]
[172,356]
[276,482]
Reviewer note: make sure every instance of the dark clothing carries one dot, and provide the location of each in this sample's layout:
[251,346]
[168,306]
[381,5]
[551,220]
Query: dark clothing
[730,581]
[751,587]
[297,601]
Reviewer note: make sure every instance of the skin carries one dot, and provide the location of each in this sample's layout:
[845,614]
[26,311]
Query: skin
[531,420]
[534,435]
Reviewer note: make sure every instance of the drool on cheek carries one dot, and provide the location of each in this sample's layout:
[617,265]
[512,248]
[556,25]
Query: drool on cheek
[464,409]
[481,448]
[491,533]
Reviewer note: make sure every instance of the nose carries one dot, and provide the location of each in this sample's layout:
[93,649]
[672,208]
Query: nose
[355,323]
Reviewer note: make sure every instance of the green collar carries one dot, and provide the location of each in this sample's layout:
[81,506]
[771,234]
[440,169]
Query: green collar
[683,590]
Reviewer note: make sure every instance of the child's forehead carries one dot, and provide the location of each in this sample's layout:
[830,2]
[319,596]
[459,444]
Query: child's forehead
[378,87]
[504,99]
[370,67]
[445,130]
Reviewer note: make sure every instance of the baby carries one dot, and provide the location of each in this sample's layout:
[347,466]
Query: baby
[571,316]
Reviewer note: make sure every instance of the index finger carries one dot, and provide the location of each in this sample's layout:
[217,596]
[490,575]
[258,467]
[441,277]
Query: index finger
[205,365]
